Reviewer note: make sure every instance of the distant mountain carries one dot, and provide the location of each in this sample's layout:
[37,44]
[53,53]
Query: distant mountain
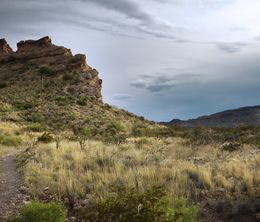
[230,118]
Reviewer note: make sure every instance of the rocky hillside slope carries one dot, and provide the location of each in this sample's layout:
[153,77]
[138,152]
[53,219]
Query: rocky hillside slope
[245,116]
[46,87]
[52,63]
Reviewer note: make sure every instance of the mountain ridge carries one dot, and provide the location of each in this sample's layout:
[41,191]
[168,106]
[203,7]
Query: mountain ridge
[248,115]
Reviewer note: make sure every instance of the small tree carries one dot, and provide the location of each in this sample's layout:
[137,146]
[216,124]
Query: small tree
[57,141]
[82,134]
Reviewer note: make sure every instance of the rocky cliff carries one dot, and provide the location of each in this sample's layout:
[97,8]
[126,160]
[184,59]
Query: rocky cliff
[45,87]
[40,61]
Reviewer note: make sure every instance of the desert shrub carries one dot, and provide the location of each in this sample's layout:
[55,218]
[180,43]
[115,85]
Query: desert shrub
[35,127]
[114,133]
[64,100]
[82,101]
[116,138]
[24,105]
[68,76]
[139,130]
[35,117]
[132,205]
[47,71]
[141,142]
[231,147]
[10,140]
[45,138]
[39,212]
[82,134]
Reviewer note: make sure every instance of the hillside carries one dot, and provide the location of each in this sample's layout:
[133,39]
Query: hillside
[45,87]
[245,116]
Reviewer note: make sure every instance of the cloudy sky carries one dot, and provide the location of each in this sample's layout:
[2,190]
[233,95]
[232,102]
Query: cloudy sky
[161,59]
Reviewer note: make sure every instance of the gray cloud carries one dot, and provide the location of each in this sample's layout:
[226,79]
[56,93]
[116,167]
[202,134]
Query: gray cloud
[121,96]
[232,47]
[135,19]
[163,82]
[130,9]
[125,37]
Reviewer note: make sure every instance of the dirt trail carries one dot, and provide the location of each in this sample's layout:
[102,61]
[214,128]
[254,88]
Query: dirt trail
[10,187]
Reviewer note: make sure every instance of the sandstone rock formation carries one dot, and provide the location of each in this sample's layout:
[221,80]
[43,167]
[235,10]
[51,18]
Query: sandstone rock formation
[43,57]
[4,47]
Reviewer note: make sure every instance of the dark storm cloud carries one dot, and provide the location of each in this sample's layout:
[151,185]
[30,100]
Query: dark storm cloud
[32,14]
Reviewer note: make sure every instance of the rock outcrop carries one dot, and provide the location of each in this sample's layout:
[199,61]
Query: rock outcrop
[4,47]
[52,62]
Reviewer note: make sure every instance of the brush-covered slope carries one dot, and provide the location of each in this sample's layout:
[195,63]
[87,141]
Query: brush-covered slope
[245,116]
[46,87]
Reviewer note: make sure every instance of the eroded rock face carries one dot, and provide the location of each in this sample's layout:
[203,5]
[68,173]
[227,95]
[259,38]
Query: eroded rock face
[35,56]
[30,45]
[4,47]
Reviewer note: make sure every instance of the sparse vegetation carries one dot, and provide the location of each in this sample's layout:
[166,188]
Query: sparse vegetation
[193,172]
[45,138]
[82,101]
[40,212]
[68,76]
[46,71]
[131,205]
[10,140]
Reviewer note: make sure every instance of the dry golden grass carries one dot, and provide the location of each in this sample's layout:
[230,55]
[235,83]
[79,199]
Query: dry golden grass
[15,132]
[187,171]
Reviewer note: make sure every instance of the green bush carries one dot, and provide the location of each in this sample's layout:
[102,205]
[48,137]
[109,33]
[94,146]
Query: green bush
[24,105]
[35,127]
[39,212]
[82,101]
[46,138]
[114,132]
[139,130]
[47,71]
[131,205]
[9,140]
[35,117]
[64,100]
[68,76]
